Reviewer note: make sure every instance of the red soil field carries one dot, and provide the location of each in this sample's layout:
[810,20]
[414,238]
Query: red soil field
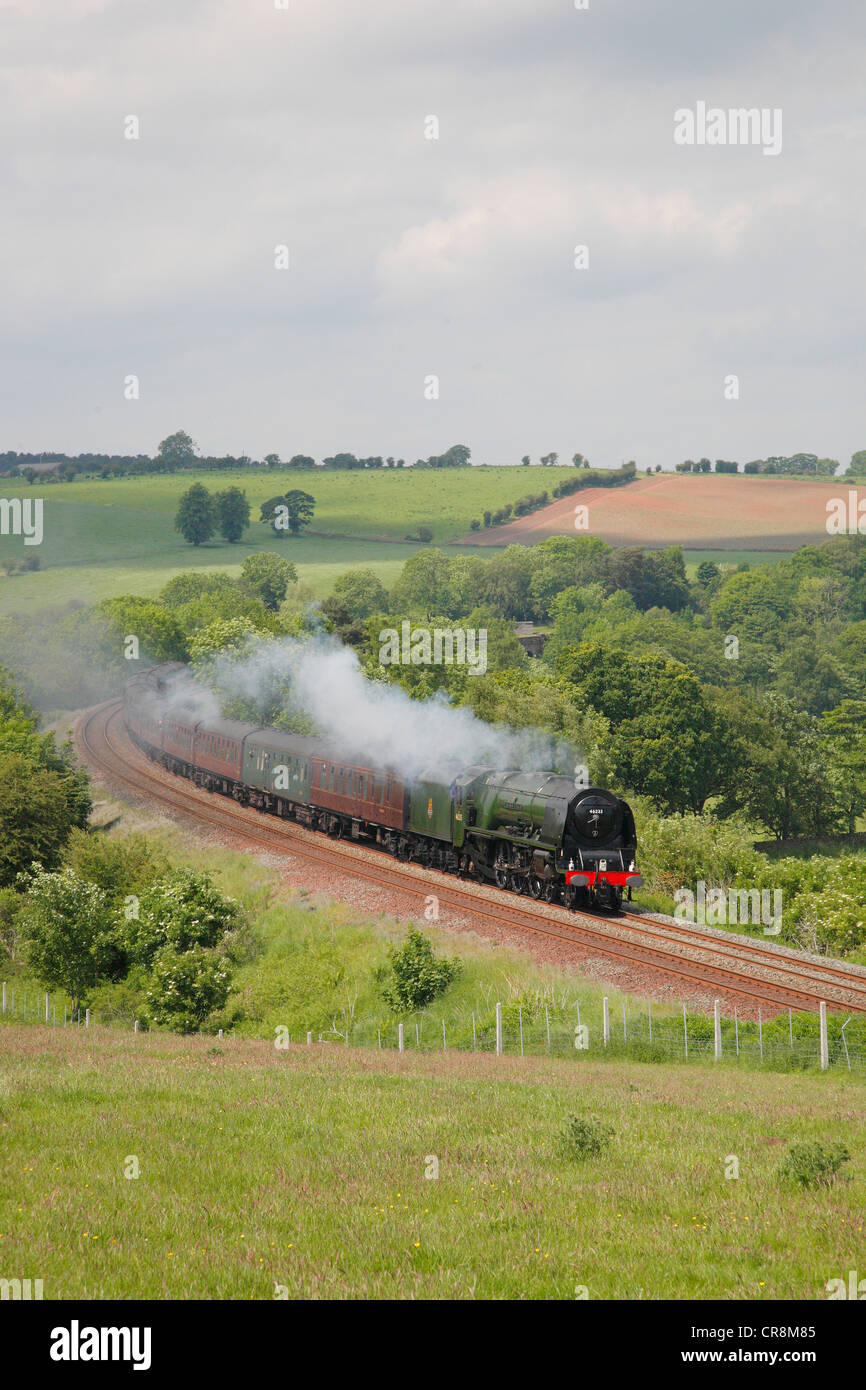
[708,512]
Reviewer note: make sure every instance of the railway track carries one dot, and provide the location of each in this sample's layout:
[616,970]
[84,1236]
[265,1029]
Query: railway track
[739,971]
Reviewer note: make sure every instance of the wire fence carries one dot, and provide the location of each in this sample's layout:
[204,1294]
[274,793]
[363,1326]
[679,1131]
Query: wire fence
[788,1041]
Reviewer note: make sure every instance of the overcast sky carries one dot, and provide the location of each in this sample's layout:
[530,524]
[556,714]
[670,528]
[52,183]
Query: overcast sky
[412,257]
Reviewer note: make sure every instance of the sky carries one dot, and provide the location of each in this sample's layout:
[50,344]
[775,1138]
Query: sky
[412,258]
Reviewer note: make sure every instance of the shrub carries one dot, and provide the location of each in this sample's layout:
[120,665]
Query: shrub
[809,1164]
[415,976]
[583,1137]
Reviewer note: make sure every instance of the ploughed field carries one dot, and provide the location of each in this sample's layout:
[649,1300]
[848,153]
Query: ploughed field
[709,511]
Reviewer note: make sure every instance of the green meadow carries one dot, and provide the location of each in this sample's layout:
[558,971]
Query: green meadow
[151,1166]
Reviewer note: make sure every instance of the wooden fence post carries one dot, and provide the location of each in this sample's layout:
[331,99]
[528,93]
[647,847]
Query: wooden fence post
[499,1030]
[825,1050]
[717,1030]
[605,1020]
[400,1037]
[685,1032]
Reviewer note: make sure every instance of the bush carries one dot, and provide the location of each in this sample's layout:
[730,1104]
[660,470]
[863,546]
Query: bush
[811,1165]
[583,1137]
[415,976]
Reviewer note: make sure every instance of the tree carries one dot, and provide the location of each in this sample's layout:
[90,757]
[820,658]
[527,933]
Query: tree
[707,574]
[549,460]
[526,461]
[157,630]
[844,733]
[271,460]
[782,774]
[69,932]
[38,808]
[192,584]
[196,515]
[232,513]
[186,987]
[289,512]
[562,562]
[425,584]
[579,461]
[268,576]
[182,910]
[177,450]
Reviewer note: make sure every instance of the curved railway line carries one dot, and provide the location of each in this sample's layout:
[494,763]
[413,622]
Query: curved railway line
[738,970]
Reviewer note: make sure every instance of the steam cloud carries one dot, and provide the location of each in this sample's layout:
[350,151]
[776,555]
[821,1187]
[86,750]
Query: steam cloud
[380,724]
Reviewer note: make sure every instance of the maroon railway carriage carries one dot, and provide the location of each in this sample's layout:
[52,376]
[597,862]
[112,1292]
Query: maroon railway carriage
[178,739]
[219,752]
[361,793]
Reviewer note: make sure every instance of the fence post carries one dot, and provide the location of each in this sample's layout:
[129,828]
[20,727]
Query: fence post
[649,1005]
[825,1051]
[736,1031]
[520,1021]
[379,1031]
[473,1032]
[309,1038]
[135,1026]
[717,1030]
[499,1030]
[220,1033]
[399,1037]
[578,1015]
[761,1034]
[685,1032]
[87,1018]
[790,1030]
[605,1020]
[444,1043]
[47,1010]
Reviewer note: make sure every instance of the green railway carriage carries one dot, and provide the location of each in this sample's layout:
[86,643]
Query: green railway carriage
[279,763]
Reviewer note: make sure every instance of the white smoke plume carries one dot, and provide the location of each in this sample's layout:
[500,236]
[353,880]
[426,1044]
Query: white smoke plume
[377,723]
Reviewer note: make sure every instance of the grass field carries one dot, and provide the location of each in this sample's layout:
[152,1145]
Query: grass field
[117,536]
[305,1169]
[111,537]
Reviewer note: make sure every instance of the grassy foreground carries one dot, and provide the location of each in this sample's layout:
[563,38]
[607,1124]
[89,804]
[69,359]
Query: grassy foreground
[305,1168]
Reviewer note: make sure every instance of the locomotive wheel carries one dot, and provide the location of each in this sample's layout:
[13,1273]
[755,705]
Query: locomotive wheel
[551,893]
[500,877]
[536,887]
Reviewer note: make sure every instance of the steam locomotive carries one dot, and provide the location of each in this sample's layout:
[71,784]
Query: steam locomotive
[528,832]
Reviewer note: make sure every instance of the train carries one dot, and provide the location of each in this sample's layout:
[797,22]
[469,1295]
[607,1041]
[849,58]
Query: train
[536,833]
